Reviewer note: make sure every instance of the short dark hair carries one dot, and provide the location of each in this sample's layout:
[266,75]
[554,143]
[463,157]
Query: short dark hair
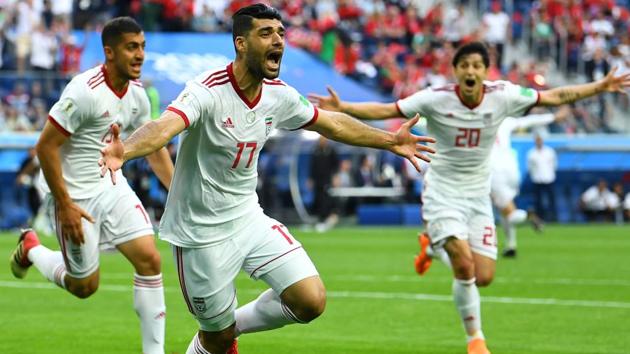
[116,27]
[243,18]
[472,48]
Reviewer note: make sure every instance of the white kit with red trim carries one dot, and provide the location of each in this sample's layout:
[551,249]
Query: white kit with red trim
[214,187]
[464,134]
[85,113]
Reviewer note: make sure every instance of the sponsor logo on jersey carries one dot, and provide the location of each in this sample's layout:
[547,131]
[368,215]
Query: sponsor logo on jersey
[268,125]
[200,304]
[228,123]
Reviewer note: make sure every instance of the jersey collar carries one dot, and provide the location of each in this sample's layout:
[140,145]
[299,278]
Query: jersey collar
[473,106]
[239,92]
[119,94]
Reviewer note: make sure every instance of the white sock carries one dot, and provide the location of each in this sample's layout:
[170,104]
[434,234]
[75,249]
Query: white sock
[510,234]
[468,303]
[49,263]
[517,216]
[265,313]
[442,255]
[195,346]
[148,301]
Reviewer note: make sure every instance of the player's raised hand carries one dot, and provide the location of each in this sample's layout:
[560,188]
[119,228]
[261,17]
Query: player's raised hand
[112,155]
[409,146]
[329,103]
[69,217]
[612,83]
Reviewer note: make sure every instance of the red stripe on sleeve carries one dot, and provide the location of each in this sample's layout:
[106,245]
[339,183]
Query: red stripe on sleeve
[61,129]
[180,113]
[312,121]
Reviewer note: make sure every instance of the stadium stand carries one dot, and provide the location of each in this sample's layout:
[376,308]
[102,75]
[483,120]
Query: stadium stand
[365,49]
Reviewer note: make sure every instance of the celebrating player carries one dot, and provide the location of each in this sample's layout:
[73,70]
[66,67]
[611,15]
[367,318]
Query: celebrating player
[212,217]
[91,212]
[465,117]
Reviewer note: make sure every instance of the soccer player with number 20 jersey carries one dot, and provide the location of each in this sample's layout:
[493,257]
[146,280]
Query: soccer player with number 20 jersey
[212,219]
[464,118]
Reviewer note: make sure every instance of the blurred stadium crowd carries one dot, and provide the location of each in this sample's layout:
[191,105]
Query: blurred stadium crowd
[394,46]
[397,47]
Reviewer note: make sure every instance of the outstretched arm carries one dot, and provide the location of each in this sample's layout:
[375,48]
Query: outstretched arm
[144,141]
[361,110]
[345,129]
[570,94]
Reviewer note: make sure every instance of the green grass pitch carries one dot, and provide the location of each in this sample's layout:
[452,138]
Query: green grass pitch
[568,292]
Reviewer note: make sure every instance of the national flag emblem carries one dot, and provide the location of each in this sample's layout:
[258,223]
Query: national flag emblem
[228,123]
[268,121]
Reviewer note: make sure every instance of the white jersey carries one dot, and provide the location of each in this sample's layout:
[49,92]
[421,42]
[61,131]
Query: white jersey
[465,135]
[85,113]
[502,157]
[214,186]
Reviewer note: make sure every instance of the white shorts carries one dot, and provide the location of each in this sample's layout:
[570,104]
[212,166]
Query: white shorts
[504,187]
[120,217]
[264,249]
[464,218]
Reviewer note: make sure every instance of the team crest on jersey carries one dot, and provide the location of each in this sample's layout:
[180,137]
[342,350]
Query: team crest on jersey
[228,123]
[200,304]
[268,122]
[487,119]
[250,117]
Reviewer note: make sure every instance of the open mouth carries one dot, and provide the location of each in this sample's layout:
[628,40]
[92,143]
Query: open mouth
[273,60]
[470,83]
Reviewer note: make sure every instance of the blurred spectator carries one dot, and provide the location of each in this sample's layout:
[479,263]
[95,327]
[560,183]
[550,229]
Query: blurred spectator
[26,19]
[497,29]
[597,202]
[324,162]
[542,163]
[26,181]
[18,98]
[626,206]
[15,121]
[364,175]
[71,55]
[206,21]
[44,53]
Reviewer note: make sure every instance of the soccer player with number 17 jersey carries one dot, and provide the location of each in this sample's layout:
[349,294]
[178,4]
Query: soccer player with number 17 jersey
[212,217]
[464,118]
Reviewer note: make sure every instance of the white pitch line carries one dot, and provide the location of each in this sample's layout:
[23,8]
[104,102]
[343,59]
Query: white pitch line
[501,280]
[371,295]
[414,279]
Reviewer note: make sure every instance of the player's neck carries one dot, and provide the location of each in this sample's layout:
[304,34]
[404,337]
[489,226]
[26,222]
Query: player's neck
[472,100]
[247,83]
[117,82]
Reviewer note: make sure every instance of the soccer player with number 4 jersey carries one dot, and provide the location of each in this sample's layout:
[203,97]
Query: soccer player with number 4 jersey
[464,118]
[91,213]
[212,217]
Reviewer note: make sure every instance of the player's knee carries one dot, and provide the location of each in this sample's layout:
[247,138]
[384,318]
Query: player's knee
[149,264]
[84,290]
[483,281]
[311,306]
[463,267]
